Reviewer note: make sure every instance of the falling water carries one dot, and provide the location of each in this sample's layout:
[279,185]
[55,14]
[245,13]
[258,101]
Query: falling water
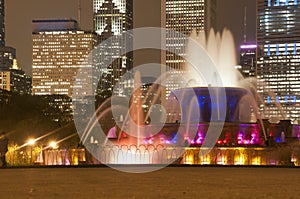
[221,49]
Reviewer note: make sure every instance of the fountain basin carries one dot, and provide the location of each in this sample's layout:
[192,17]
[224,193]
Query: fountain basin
[231,104]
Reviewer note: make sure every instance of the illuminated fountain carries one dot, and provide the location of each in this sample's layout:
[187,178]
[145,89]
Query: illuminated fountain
[190,111]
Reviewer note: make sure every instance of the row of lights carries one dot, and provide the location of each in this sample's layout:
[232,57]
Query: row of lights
[52,144]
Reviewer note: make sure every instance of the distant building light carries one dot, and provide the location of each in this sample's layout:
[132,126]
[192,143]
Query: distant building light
[269,49]
[269,99]
[250,46]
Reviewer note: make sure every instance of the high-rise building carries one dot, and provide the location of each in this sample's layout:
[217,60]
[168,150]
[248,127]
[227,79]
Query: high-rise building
[59,51]
[278,59]
[112,18]
[7,54]
[184,17]
[2,23]
[12,78]
[15,80]
[248,59]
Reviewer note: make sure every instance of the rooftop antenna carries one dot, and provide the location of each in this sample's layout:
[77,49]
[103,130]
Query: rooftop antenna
[245,25]
[79,13]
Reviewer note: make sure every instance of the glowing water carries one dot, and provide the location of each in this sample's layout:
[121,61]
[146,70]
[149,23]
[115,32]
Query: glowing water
[221,50]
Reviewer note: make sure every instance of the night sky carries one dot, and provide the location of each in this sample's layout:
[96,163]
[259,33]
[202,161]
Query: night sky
[19,14]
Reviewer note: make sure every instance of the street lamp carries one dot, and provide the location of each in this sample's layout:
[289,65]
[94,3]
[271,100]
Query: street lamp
[31,142]
[53,145]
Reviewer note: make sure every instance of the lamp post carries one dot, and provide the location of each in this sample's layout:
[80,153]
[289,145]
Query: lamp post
[31,142]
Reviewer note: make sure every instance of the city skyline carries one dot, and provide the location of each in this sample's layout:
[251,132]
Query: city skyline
[278,58]
[18,23]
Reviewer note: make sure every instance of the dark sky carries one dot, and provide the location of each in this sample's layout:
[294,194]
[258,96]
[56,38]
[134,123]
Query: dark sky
[19,14]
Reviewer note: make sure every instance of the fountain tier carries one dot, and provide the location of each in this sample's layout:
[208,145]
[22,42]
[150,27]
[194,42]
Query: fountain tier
[231,102]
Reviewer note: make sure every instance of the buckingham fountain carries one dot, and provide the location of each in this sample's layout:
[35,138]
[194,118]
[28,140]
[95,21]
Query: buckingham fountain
[205,121]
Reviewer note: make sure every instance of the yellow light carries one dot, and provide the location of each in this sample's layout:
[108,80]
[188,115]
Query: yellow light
[189,159]
[256,160]
[31,142]
[53,145]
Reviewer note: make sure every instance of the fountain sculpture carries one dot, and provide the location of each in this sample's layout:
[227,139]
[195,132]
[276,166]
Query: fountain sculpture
[245,135]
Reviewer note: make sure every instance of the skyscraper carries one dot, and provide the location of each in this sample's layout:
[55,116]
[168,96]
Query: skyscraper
[12,78]
[184,17]
[2,23]
[278,59]
[112,18]
[15,80]
[248,59]
[59,50]
[7,54]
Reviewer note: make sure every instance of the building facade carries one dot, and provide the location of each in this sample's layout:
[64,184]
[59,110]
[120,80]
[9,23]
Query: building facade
[278,59]
[12,78]
[15,80]
[2,23]
[184,17]
[248,60]
[60,53]
[7,56]
[112,18]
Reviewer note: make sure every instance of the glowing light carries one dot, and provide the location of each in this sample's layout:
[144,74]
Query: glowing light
[240,160]
[246,142]
[199,140]
[31,142]
[240,138]
[251,46]
[205,159]
[53,145]
[189,159]
[151,141]
[221,159]
[256,161]
[271,134]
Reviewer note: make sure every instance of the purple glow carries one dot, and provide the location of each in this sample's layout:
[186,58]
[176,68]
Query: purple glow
[199,140]
[250,46]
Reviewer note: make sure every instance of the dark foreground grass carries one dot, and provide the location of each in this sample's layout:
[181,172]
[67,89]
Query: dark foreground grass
[170,182]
